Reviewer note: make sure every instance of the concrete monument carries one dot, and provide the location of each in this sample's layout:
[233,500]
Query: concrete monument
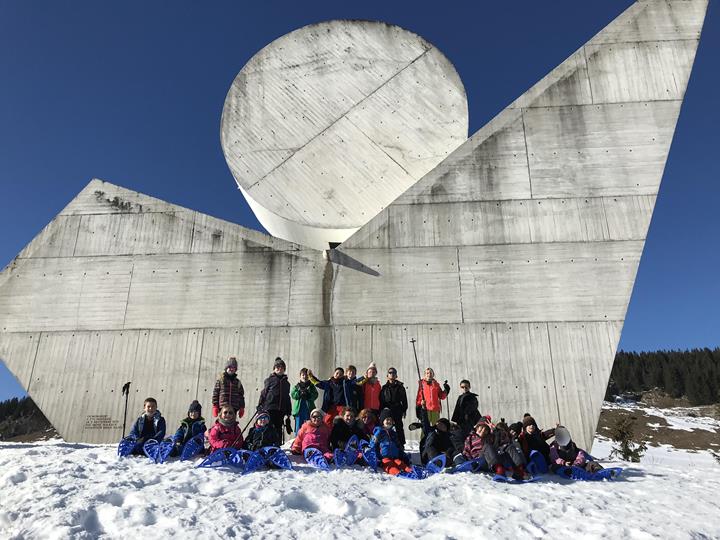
[510,256]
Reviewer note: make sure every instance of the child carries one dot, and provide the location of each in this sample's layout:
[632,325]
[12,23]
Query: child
[371,388]
[228,390]
[531,438]
[275,396]
[437,442]
[226,432]
[333,394]
[429,396]
[150,425]
[479,444]
[353,388]
[262,434]
[366,423]
[466,412]
[565,453]
[191,426]
[385,442]
[303,395]
[509,451]
[313,434]
[343,429]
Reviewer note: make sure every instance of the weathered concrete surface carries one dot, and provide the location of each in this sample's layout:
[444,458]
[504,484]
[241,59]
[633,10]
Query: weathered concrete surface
[327,125]
[511,263]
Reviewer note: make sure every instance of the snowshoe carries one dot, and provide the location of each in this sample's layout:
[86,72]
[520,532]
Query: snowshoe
[152,449]
[578,473]
[127,446]
[339,458]
[369,455]
[247,461]
[315,457]
[436,465]
[275,457]
[193,447]
[537,464]
[473,465]
[351,451]
[218,458]
[164,450]
[418,473]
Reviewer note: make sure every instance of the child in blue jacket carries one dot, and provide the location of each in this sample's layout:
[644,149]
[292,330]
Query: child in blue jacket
[150,425]
[190,427]
[385,442]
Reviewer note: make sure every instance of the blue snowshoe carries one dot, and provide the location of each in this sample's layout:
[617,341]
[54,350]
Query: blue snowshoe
[151,449]
[164,449]
[127,446]
[275,457]
[315,457]
[472,465]
[536,464]
[436,465]
[218,458]
[351,451]
[193,447]
[418,473]
[339,458]
[369,455]
[247,461]
[578,473]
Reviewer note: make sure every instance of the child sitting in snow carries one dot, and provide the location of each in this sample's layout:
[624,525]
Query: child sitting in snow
[509,451]
[437,442]
[565,453]
[190,427]
[532,438]
[385,442]
[480,444]
[366,423]
[150,425]
[262,434]
[344,428]
[313,434]
[226,432]
[303,396]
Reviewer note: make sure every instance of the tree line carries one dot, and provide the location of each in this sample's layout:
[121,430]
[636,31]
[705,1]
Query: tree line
[694,374]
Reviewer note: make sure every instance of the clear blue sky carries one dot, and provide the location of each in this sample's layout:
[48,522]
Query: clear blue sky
[132,93]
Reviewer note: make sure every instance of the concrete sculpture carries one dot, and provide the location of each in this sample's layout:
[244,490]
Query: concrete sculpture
[511,261]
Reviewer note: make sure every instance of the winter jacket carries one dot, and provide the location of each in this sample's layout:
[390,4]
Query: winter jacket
[353,393]
[303,392]
[436,443]
[341,433]
[432,392]
[228,390]
[365,429]
[536,441]
[393,397]
[275,395]
[385,443]
[259,437]
[466,413]
[222,436]
[311,436]
[560,454]
[188,429]
[157,431]
[333,392]
[474,445]
[371,393]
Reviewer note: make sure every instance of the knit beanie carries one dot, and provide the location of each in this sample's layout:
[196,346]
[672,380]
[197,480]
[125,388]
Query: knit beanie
[529,420]
[385,413]
[279,362]
[516,427]
[195,407]
[262,414]
[231,363]
[371,366]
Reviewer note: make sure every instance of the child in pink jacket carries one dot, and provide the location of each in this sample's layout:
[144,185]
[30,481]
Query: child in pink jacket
[226,432]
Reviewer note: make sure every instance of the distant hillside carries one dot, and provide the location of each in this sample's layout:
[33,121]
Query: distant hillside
[693,374]
[20,417]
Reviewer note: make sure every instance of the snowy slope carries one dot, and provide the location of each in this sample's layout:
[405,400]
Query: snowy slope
[58,490]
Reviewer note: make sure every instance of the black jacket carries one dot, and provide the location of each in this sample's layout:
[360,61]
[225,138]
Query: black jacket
[258,438]
[466,413]
[341,433]
[275,395]
[437,443]
[393,397]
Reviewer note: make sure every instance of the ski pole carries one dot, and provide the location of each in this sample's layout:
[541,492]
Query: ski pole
[249,422]
[126,393]
[425,419]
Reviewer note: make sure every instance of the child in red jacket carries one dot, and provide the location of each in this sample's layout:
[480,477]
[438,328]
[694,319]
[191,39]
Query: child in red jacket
[429,395]
[313,434]
[226,432]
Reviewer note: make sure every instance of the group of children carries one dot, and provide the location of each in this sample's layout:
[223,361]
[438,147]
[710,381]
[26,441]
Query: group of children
[467,436]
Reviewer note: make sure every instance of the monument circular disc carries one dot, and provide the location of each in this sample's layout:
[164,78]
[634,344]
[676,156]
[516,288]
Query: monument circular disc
[327,125]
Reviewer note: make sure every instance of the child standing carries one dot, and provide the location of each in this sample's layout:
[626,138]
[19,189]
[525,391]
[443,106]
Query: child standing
[429,396]
[334,398]
[190,427]
[303,395]
[229,390]
[371,388]
[226,432]
[275,396]
[150,425]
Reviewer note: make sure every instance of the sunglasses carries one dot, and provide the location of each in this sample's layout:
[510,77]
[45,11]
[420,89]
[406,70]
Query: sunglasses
[392,372]
[316,417]
[463,387]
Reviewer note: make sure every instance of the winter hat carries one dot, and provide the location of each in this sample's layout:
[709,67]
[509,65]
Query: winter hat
[517,427]
[371,366]
[562,436]
[317,411]
[195,407]
[279,362]
[262,414]
[385,413]
[231,363]
[445,422]
[529,420]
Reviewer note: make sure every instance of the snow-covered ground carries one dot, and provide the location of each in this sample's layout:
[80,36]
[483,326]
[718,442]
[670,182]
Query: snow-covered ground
[681,418]
[58,490]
